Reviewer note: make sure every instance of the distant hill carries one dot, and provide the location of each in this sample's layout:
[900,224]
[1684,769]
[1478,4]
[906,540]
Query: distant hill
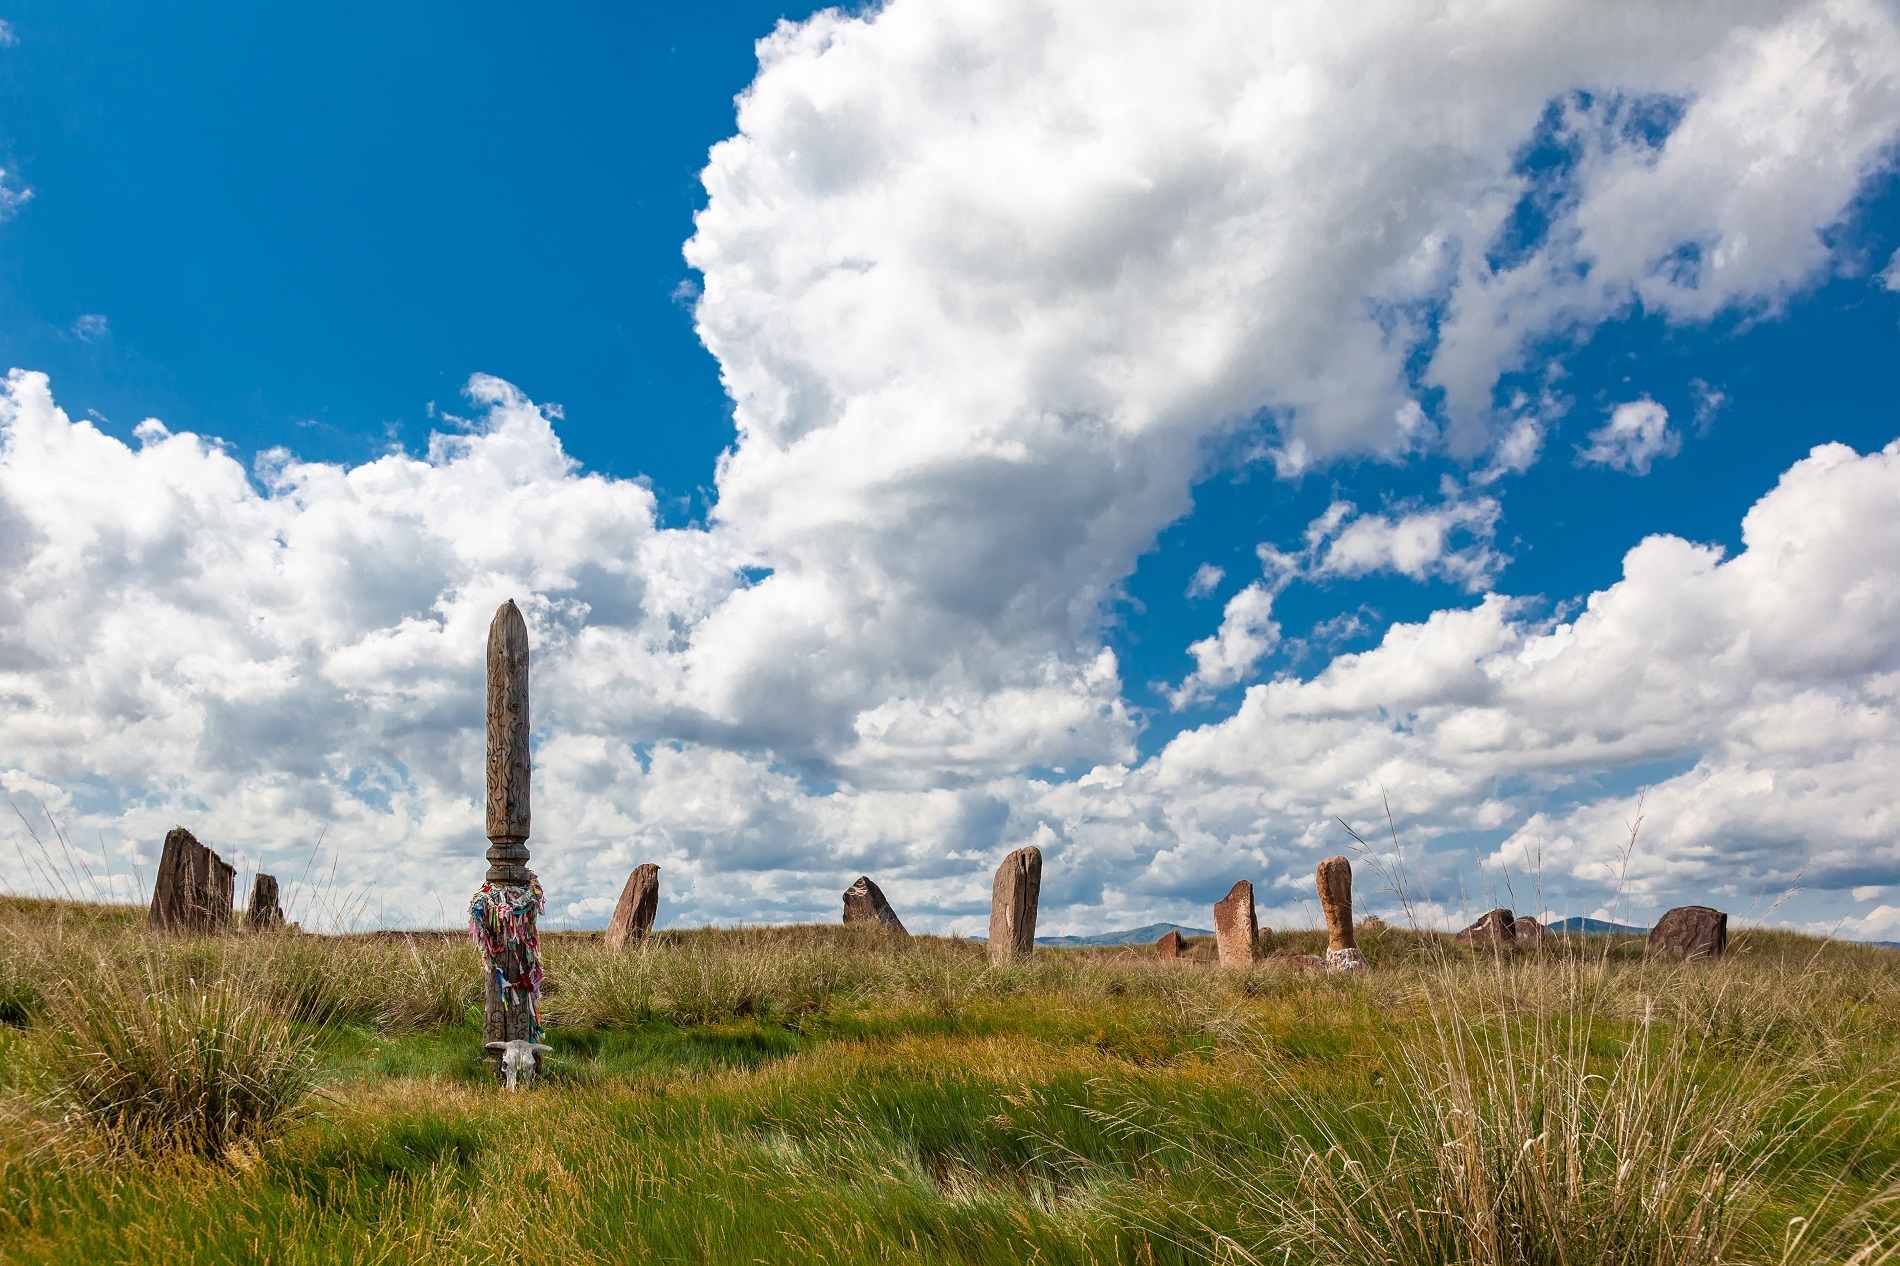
[1593,927]
[1130,936]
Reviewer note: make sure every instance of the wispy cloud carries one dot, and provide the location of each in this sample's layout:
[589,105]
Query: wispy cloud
[13,195]
[1637,434]
[1206,580]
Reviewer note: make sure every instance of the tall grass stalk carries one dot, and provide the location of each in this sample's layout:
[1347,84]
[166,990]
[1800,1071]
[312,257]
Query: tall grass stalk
[1518,1121]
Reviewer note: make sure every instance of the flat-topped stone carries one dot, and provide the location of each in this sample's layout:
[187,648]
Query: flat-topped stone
[1528,931]
[864,903]
[266,912]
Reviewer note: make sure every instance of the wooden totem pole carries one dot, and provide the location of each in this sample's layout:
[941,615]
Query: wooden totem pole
[501,917]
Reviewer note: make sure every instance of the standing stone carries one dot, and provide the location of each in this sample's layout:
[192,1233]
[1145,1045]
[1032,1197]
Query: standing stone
[1335,899]
[1013,905]
[265,913]
[864,903]
[194,888]
[1690,932]
[1170,945]
[639,902]
[1528,931]
[1497,927]
[1236,926]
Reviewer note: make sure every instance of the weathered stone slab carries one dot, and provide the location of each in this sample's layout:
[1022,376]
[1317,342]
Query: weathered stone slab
[1236,926]
[266,911]
[1528,931]
[194,888]
[1170,945]
[864,903]
[1690,932]
[1497,927]
[633,913]
[1013,905]
[1335,900]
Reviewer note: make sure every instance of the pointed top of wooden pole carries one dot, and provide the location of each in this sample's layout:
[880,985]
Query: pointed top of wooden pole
[508,739]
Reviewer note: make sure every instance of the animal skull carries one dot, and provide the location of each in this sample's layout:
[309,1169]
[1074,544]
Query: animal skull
[517,1060]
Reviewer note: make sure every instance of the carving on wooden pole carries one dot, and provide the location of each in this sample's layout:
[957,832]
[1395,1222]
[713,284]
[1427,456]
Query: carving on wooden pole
[501,916]
[194,887]
[1335,899]
[864,903]
[633,913]
[265,913]
[508,770]
[1236,926]
[1013,905]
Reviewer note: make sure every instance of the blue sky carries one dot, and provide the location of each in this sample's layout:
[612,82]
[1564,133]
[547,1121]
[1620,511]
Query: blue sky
[302,227]
[999,398]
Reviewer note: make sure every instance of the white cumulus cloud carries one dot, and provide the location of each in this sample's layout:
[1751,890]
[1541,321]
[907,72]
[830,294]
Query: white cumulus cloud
[991,285]
[1635,436]
[1247,634]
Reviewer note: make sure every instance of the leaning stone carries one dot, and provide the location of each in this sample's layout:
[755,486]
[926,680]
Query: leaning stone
[264,914]
[1690,932]
[194,888]
[864,903]
[1497,927]
[1013,905]
[1236,927]
[1170,945]
[1528,931]
[633,913]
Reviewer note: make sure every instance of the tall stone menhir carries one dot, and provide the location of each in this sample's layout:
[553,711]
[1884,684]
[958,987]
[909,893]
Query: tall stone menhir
[1013,905]
[1237,926]
[633,913]
[1335,900]
[502,915]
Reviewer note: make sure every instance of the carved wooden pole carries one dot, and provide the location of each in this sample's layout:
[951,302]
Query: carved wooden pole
[502,915]
[508,746]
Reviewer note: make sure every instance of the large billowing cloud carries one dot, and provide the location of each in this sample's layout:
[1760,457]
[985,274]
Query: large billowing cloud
[991,285]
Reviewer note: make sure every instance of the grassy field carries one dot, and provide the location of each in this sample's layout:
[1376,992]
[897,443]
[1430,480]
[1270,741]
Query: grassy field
[813,1094]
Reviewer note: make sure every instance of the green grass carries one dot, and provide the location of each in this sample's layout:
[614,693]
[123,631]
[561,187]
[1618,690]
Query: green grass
[819,1095]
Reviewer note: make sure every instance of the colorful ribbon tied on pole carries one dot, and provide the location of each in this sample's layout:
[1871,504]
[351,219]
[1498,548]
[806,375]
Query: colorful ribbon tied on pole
[1344,960]
[501,919]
